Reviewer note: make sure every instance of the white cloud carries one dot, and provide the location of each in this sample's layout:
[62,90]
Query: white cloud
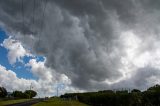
[140,66]
[15,50]
[136,56]
[11,82]
[47,74]
[48,79]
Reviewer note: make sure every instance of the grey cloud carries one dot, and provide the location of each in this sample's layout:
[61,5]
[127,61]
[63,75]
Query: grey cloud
[80,38]
[20,18]
[142,79]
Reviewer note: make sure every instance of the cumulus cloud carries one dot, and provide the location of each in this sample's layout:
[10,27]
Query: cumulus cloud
[49,77]
[12,82]
[15,50]
[142,78]
[95,43]
[47,74]
[44,86]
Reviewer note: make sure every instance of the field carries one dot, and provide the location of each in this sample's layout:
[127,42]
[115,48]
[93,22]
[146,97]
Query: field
[7,102]
[59,102]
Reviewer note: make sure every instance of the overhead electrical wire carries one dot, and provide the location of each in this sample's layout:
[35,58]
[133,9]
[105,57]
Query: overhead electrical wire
[34,6]
[21,25]
[22,10]
[39,33]
[43,12]
[42,20]
[33,23]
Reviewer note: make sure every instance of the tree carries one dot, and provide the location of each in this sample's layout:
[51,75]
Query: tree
[19,94]
[153,95]
[31,93]
[136,91]
[3,92]
[155,88]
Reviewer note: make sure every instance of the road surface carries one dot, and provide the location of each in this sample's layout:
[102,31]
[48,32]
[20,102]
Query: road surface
[27,103]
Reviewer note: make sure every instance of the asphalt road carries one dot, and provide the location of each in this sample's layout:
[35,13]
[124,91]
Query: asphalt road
[27,103]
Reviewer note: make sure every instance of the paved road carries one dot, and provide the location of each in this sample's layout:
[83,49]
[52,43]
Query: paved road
[27,103]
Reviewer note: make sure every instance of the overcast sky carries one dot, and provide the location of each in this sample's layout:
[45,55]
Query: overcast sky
[87,45]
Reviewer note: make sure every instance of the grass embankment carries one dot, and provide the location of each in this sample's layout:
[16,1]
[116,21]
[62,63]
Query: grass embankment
[59,102]
[7,102]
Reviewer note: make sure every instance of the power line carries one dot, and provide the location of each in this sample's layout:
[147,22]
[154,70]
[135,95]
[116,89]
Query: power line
[33,17]
[57,90]
[22,8]
[21,26]
[34,4]
[43,15]
[33,21]
[30,91]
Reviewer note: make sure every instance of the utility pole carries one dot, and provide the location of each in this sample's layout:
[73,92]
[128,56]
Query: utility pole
[30,91]
[57,91]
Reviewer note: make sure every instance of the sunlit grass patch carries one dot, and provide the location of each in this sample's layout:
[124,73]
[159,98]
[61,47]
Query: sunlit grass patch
[59,102]
[7,102]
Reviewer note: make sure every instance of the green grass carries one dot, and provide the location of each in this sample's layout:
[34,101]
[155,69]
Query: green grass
[59,102]
[7,102]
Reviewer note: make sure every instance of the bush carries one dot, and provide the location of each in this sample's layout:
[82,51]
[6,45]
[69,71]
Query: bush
[30,93]
[151,97]
[26,94]
[3,92]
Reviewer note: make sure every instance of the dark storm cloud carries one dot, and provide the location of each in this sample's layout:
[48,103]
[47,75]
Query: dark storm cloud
[80,38]
[96,8]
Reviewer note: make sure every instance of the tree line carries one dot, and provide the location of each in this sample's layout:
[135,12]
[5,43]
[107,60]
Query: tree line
[150,97]
[17,94]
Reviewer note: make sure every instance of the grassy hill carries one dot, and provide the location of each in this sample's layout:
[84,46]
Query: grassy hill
[60,102]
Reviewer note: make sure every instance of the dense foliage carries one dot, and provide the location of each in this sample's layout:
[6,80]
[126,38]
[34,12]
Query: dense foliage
[150,97]
[26,94]
[19,94]
[3,92]
[31,93]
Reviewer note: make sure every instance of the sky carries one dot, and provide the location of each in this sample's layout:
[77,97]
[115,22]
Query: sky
[78,46]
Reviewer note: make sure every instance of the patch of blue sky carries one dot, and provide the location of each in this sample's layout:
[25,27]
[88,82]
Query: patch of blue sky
[2,35]
[3,52]
[19,67]
[40,58]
